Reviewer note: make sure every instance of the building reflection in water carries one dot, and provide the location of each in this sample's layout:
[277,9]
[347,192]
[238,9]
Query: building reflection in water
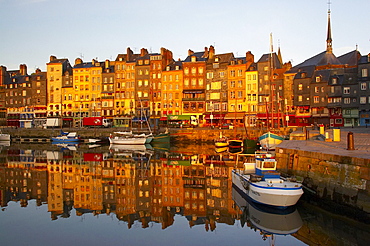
[144,185]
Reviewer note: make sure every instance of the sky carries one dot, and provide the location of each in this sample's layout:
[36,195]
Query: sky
[33,30]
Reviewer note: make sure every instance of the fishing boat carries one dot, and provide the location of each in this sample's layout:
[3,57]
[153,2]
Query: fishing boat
[261,182]
[127,138]
[269,140]
[66,137]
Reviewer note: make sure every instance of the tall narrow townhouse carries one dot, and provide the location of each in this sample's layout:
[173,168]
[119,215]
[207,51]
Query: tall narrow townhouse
[364,91]
[124,88]
[158,62]
[251,91]
[217,97]
[87,82]
[39,97]
[172,86]
[194,85]
[238,100]
[4,75]
[142,87]
[107,92]
[57,69]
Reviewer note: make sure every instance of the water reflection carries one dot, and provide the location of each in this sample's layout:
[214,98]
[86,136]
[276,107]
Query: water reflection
[267,220]
[138,185]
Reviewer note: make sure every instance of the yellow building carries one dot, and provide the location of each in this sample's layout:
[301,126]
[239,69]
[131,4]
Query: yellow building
[87,89]
[58,73]
[251,95]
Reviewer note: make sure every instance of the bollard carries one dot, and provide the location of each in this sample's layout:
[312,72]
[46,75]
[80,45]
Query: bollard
[336,135]
[350,141]
[322,129]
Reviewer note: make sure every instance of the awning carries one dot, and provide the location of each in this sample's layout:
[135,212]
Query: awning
[231,116]
[178,117]
[139,119]
[215,116]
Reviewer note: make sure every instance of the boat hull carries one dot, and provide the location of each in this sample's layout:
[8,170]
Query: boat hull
[279,197]
[127,141]
[270,140]
[61,140]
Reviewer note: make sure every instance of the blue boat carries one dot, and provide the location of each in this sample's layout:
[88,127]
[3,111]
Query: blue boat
[66,137]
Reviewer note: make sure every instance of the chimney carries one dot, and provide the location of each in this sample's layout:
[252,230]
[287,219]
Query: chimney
[52,58]
[190,52]
[129,54]
[205,52]
[23,69]
[143,52]
[38,70]
[107,63]
[249,57]
[211,52]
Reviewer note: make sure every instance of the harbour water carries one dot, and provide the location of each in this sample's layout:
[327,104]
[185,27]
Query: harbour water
[162,195]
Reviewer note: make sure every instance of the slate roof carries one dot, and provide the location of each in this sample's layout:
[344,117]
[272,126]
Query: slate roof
[351,58]
[58,61]
[198,55]
[266,58]
[364,59]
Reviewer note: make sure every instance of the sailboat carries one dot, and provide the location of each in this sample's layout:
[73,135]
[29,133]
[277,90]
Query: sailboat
[270,140]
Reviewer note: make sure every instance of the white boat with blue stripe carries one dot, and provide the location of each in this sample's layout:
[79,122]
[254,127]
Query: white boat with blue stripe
[261,182]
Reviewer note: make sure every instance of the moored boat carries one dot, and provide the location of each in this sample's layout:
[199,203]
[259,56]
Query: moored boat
[66,137]
[269,140]
[127,138]
[261,182]
[221,141]
[4,137]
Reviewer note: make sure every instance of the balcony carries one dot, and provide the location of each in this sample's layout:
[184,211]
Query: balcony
[193,99]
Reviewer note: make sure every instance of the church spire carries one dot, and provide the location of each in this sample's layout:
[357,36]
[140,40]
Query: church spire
[329,47]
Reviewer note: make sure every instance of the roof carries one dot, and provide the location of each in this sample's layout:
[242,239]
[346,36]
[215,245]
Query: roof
[58,61]
[351,58]
[198,55]
[266,58]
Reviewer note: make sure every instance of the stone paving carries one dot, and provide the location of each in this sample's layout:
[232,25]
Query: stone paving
[361,137]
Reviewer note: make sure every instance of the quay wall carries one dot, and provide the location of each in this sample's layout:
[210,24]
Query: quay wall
[340,181]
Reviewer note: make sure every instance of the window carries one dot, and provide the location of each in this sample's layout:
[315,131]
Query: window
[300,87]
[316,99]
[318,79]
[347,100]
[300,98]
[364,72]
[334,81]
[362,100]
[316,89]
[363,86]
[346,90]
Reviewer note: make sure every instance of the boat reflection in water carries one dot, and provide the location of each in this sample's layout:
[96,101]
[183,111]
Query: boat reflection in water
[268,220]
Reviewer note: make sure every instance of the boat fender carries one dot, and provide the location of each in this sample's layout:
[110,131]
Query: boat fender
[244,183]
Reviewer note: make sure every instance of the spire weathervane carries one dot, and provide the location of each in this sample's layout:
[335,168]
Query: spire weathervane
[329,47]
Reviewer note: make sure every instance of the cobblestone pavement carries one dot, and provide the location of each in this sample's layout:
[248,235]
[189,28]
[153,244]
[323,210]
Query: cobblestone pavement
[316,143]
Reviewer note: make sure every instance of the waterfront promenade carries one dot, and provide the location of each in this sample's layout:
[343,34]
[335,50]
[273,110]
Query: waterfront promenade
[317,143]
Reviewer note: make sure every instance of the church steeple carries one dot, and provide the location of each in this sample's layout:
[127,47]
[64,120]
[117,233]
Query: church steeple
[329,47]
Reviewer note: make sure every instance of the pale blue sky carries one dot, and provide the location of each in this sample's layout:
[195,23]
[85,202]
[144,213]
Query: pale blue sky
[32,30]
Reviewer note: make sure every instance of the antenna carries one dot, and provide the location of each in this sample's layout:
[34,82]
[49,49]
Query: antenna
[329,6]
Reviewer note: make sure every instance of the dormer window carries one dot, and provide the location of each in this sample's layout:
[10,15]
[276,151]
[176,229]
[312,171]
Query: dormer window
[193,59]
[177,68]
[168,68]
[334,81]
[303,75]
[216,59]
[318,78]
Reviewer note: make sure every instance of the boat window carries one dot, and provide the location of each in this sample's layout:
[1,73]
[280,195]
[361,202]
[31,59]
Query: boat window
[269,164]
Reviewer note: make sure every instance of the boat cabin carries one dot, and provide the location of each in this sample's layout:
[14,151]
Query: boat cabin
[266,166]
